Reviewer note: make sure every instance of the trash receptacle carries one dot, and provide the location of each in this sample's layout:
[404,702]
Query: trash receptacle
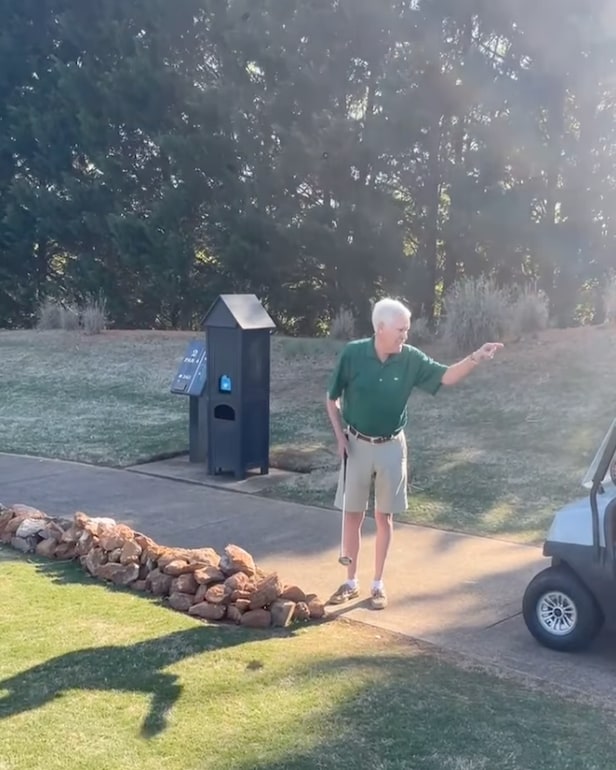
[238,334]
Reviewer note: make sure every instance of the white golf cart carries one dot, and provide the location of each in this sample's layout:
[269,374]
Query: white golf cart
[566,604]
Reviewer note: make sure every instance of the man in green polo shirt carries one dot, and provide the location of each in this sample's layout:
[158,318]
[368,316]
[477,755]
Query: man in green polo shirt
[374,378]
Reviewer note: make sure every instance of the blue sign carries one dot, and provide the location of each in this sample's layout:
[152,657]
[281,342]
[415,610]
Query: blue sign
[192,373]
[224,384]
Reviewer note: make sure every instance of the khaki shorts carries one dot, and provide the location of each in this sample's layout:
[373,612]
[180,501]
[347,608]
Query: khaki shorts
[387,463]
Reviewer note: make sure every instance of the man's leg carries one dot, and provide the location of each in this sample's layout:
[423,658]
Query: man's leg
[352,540]
[358,480]
[384,533]
[390,498]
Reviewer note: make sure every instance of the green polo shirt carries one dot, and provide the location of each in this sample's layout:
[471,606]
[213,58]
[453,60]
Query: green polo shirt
[375,393]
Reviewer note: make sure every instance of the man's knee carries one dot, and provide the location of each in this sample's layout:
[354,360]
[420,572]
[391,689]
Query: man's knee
[353,519]
[383,519]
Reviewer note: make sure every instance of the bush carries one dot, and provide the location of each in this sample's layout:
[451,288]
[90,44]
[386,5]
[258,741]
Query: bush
[94,316]
[69,319]
[342,326]
[420,333]
[609,300]
[529,313]
[476,311]
[50,315]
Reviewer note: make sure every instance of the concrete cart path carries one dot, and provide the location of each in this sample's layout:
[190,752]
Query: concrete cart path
[459,592]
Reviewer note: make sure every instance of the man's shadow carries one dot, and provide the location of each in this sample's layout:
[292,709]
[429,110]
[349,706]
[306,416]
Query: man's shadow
[131,668]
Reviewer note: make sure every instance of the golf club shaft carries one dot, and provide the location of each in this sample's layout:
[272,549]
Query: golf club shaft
[343,559]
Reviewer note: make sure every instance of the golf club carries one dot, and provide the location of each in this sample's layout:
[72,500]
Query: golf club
[344,560]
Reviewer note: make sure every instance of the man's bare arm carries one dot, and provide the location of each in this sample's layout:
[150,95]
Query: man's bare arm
[457,372]
[335,417]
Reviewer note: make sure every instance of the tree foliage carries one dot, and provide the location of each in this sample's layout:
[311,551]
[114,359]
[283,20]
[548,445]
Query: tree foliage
[318,153]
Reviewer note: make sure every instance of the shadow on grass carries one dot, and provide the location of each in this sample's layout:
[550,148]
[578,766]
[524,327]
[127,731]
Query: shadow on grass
[136,667]
[416,712]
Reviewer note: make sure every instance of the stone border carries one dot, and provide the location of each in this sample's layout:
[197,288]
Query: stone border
[198,581]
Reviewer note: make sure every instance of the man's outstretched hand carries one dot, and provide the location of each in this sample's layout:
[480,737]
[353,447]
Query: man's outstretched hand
[487,351]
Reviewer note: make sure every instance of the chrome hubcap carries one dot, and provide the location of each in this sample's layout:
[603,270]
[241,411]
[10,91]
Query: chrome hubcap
[556,613]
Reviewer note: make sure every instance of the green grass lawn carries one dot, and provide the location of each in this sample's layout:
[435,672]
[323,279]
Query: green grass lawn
[492,456]
[95,677]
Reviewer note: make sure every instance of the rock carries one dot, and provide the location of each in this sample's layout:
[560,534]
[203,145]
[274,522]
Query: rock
[154,551]
[81,520]
[200,593]
[94,525]
[30,528]
[93,560]
[243,605]
[114,555]
[208,575]
[301,611]
[208,611]
[293,594]
[234,614]
[114,537]
[206,557]
[257,619]
[167,555]
[54,530]
[13,525]
[25,545]
[216,594]
[236,559]
[6,537]
[118,574]
[282,613]
[236,595]
[130,553]
[46,548]
[175,568]
[159,583]
[27,512]
[85,543]
[239,582]
[70,535]
[316,608]
[138,585]
[5,517]
[184,584]
[267,591]
[181,602]
[65,552]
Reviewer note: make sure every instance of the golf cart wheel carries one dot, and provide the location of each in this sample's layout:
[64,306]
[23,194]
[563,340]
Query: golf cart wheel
[559,611]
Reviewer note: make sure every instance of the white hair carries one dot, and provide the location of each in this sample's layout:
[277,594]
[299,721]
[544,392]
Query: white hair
[387,311]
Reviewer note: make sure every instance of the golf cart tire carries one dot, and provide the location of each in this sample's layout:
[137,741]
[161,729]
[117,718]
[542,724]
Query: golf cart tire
[589,619]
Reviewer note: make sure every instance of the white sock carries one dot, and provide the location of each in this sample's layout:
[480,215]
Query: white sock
[354,583]
[377,585]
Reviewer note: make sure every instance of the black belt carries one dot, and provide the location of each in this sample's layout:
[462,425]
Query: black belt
[372,439]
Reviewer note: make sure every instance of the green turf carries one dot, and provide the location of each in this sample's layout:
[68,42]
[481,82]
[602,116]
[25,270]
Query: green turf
[95,677]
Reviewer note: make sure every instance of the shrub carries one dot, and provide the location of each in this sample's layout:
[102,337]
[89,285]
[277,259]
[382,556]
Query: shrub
[50,315]
[529,312]
[94,316]
[69,319]
[476,311]
[609,300]
[342,326]
[420,331]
